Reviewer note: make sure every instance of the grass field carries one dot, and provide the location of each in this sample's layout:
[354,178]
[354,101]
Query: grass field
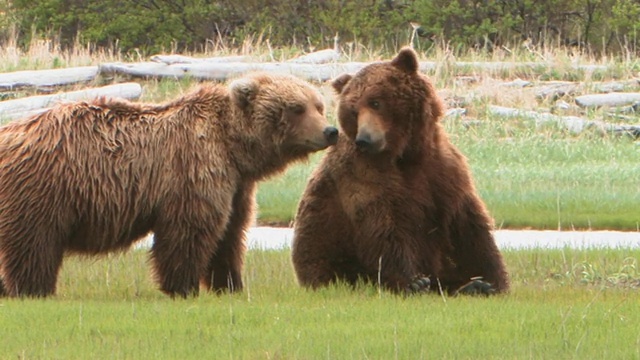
[564,304]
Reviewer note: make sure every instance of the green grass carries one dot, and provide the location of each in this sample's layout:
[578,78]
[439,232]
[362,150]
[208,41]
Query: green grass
[564,304]
[278,197]
[554,180]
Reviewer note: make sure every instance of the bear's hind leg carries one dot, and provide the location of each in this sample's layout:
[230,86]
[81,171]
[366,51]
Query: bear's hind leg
[476,259]
[318,256]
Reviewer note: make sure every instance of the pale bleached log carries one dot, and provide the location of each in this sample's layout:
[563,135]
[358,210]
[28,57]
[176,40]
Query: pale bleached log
[182,59]
[626,113]
[510,65]
[145,69]
[629,109]
[317,57]
[225,71]
[555,90]
[558,89]
[455,112]
[572,123]
[563,105]
[321,56]
[466,80]
[517,83]
[610,99]
[13,109]
[617,86]
[47,78]
[4,117]
[316,72]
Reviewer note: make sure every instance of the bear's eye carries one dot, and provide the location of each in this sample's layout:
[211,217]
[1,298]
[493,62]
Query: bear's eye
[297,109]
[374,104]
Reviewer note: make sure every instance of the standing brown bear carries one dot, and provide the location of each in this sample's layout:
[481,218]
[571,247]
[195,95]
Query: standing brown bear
[394,200]
[94,177]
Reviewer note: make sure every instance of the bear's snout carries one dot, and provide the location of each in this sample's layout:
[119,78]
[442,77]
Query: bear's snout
[316,134]
[369,143]
[331,134]
[363,142]
[370,137]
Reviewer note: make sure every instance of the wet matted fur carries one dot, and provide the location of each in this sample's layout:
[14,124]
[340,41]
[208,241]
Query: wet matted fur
[94,177]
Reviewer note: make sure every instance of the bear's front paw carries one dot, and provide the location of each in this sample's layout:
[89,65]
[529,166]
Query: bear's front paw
[419,284]
[476,287]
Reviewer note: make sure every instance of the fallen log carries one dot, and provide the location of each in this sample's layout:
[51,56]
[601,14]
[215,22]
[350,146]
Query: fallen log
[47,78]
[511,65]
[572,123]
[610,99]
[556,90]
[224,71]
[317,57]
[13,109]
[629,109]
[617,86]
[455,112]
[182,59]
[223,68]
[517,83]
[206,70]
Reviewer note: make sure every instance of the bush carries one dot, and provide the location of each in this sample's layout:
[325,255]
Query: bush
[155,25]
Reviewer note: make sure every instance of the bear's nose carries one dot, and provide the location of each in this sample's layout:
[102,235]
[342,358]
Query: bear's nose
[331,134]
[363,142]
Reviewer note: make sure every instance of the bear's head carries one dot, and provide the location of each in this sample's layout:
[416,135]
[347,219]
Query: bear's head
[285,111]
[388,106]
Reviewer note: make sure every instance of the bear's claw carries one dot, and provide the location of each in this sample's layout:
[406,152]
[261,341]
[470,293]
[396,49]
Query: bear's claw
[419,284]
[476,287]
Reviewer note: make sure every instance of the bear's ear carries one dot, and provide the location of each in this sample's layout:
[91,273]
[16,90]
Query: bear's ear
[339,83]
[406,60]
[243,91]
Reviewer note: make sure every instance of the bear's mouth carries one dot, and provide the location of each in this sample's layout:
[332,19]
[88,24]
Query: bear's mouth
[306,147]
[328,137]
[315,145]
[366,144]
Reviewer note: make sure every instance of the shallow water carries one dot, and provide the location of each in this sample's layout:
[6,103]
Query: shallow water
[279,238]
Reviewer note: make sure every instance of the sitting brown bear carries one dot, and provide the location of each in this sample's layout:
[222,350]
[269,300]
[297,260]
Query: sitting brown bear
[394,200]
[94,177]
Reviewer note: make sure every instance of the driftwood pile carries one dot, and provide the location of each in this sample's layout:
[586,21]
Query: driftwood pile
[17,108]
[609,95]
[319,67]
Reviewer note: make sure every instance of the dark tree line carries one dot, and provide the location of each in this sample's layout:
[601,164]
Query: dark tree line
[154,25]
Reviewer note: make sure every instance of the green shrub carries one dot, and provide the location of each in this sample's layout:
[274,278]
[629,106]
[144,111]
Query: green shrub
[153,25]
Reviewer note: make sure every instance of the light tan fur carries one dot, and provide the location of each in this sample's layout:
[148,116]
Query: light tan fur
[94,177]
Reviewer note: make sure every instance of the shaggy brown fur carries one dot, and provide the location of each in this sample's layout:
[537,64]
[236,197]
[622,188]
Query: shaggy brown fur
[94,177]
[394,199]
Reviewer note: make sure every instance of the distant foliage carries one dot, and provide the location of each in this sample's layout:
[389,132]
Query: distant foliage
[598,26]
